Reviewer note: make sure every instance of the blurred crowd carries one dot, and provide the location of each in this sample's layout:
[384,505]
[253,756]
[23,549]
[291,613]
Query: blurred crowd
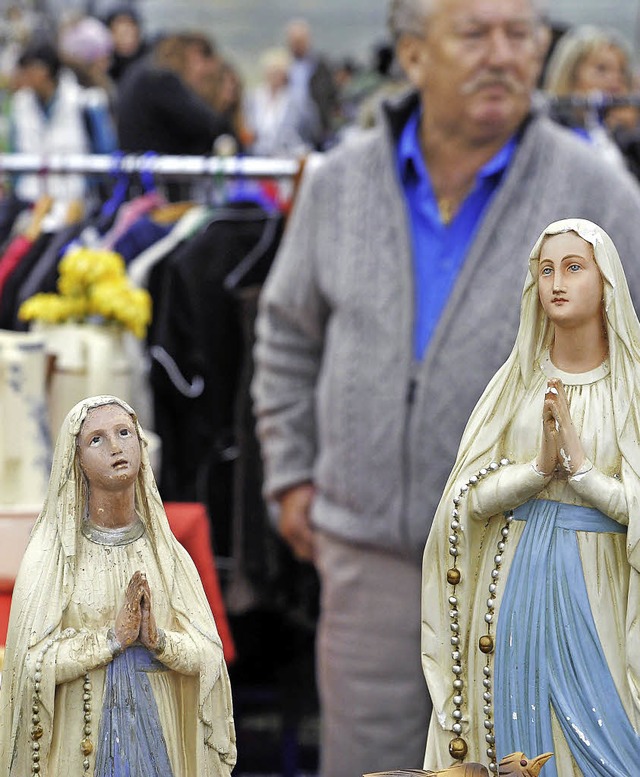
[174,93]
[182,93]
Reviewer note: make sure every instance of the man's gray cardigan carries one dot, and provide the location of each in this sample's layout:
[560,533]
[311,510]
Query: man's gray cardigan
[339,398]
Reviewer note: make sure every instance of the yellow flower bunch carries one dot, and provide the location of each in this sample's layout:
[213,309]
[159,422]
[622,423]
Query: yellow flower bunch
[53,308]
[92,283]
[82,268]
[118,301]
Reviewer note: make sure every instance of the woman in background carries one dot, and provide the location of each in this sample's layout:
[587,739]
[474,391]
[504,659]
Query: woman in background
[590,61]
[281,120]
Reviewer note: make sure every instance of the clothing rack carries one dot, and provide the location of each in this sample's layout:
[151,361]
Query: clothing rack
[596,101]
[151,164]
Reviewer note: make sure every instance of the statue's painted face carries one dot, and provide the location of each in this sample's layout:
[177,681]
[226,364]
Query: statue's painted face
[569,281]
[109,448]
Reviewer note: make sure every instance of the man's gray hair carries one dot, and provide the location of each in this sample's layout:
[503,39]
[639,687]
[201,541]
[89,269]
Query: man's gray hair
[409,16]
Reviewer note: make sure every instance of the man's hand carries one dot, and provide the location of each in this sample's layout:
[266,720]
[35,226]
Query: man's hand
[295,521]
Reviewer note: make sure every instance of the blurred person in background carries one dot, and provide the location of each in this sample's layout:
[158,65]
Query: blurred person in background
[311,75]
[282,120]
[17,26]
[392,302]
[129,44]
[228,99]
[85,46]
[390,81]
[160,104]
[596,62]
[51,113]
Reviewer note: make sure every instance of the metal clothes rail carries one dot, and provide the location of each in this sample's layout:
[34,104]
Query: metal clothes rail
[595,101]
[153,164]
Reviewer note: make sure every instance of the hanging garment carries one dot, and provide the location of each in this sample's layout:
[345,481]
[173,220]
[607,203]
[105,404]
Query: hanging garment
[197,352]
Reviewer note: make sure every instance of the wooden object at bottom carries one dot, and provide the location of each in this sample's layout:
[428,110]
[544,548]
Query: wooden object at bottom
[514,765]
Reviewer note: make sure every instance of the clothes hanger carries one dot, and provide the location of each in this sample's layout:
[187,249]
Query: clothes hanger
[147,178]
[120,189]
[239,274]
[41,208]
[75,212]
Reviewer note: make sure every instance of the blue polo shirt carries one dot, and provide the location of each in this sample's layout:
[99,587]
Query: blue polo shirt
[439,249]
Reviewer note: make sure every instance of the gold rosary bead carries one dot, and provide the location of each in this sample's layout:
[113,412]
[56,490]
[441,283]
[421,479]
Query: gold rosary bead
[86,746]
[458,748]
[485,643]
[453,576]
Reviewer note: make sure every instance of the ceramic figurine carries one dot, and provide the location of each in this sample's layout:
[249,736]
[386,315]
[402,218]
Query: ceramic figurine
[113,663]
[530,574]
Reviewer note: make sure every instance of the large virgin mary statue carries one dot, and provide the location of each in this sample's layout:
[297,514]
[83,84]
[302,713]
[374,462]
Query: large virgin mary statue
[531,595]
[113,664]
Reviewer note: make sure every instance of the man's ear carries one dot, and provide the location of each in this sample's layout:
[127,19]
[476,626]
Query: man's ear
[544,38]
[413,55]
[543,41]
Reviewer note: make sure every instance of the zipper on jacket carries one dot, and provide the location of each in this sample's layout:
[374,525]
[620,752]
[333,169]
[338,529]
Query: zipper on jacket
[411,390]
[410,398]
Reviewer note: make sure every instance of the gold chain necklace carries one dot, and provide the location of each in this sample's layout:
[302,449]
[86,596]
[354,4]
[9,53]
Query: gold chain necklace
[446,208]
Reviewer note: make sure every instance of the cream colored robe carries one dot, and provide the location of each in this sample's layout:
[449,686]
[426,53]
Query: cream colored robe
[603,555]
[103,572]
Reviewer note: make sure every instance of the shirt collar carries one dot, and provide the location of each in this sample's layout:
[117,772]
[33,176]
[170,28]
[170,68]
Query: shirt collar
[411,162]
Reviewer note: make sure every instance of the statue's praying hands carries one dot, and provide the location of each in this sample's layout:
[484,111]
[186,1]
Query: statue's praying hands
[561,451]
[149,635]
[129,618]
[135,621]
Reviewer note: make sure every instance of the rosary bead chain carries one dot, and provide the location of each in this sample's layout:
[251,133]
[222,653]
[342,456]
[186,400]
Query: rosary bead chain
[458,747]
[36,700]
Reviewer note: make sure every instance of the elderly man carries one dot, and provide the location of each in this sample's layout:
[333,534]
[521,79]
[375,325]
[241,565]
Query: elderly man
[393,301]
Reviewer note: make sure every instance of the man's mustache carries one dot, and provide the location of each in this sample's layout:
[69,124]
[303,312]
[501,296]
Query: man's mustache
[485,80]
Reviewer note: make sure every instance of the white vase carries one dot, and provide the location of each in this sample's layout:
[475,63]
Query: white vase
[25,442]
[86,360]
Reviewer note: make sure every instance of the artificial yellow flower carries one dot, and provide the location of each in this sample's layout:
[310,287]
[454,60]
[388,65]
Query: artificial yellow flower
[52,308]
[80,268]
[92,283]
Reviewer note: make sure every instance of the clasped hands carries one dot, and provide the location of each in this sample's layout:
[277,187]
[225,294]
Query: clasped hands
[135,620]
[561,453]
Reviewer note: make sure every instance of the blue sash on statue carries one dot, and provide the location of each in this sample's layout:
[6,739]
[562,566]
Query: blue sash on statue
[548,654]
[130,739]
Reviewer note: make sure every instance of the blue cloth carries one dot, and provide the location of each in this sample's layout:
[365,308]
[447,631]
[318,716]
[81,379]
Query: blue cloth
[439,249]
[548,653]
[102,133]
[130,738]
[140,236]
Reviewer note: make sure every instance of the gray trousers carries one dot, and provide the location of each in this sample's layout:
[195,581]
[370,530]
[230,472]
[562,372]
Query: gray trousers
[375,707]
